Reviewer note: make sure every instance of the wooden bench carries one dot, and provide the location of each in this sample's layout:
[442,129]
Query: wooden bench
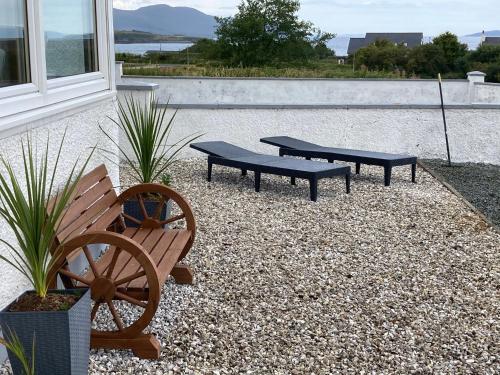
[133,263]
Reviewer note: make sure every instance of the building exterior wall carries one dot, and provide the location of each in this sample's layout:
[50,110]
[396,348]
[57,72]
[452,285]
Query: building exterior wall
[82,133]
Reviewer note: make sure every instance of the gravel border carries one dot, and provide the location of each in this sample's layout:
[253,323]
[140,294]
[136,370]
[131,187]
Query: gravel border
[477,183]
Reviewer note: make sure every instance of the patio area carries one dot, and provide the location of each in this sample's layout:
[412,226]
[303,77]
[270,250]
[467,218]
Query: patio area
[401,279]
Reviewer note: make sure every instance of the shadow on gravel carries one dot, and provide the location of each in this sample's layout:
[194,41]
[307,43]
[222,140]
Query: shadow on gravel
[478,183]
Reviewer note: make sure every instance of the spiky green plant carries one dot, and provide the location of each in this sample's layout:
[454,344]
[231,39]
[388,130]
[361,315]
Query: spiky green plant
[147,132]
[14,345]
[24,205]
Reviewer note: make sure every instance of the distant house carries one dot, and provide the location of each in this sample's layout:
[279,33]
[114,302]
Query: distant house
[408,39]
[491,41]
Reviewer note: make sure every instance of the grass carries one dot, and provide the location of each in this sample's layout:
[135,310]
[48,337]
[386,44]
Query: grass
[323,69]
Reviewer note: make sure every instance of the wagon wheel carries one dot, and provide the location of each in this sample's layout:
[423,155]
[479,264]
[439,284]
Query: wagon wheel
[149,214]
[107,279]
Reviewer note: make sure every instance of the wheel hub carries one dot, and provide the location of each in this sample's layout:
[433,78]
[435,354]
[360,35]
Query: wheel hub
[102,289]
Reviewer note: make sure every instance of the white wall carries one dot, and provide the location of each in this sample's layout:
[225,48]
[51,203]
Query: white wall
[360,114]
[82,134]
[317,92]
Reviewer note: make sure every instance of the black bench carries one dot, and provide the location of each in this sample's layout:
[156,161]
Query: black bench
[228,155]
[296,147]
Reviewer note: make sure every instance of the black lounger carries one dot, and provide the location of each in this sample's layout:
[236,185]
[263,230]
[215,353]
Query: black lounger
[296,147]
[222,153]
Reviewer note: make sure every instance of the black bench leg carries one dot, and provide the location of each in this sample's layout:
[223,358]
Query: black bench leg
[358,168]
[308,158]
[414,173]
[282,152]
[293,182]
[387,175]
[348,183]
[244,172]
[209,177]
[331,161]
[257,182]
[313,187]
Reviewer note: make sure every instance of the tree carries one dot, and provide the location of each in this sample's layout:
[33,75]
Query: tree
[267,32]
[427,61]
[383,55]
[452,48]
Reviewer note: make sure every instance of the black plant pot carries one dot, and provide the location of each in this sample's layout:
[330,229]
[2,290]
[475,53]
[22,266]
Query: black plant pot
[62,338]
[133,208]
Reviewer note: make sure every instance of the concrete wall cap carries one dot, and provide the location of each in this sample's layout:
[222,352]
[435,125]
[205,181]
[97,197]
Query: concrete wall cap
[476,73]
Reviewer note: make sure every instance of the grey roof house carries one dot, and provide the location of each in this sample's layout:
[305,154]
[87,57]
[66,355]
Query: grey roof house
[409,39]
[492,41]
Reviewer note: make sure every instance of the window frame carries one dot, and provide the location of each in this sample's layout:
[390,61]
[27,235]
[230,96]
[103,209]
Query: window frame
[42,92]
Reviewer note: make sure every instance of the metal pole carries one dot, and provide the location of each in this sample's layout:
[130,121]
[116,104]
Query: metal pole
[444,119]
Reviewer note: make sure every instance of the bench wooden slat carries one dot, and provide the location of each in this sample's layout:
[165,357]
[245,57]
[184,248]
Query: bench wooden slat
[90,179]
[88,200]
[86,218]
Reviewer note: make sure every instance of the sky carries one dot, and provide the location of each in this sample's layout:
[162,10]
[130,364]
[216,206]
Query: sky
[431,17]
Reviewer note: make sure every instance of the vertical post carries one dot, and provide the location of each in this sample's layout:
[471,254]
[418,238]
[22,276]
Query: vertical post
[209,176]
[257,181]
[444,119]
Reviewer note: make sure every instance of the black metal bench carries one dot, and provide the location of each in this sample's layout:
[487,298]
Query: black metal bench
[228,155]
[296,147]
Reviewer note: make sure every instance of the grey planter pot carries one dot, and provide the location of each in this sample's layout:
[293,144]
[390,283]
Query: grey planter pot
[62,338]
[133,209]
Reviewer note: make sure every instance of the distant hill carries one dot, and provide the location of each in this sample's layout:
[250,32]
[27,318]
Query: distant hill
[134,36]
[487,33]
[166,20]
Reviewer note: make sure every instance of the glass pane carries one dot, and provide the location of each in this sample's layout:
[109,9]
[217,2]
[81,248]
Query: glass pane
[13,43]
[70,37]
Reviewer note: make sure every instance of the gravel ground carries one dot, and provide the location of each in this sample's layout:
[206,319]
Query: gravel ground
[478,183]
[386,280]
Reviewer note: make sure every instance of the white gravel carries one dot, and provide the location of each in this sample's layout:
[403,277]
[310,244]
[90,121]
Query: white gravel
[402,279]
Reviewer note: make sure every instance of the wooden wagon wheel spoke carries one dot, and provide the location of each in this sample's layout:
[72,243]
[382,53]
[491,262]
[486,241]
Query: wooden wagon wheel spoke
[112,263]
[159,208]
[74,276]
[91,261]
[173,219]
[142,205]
[132,300]
[130,278]
[116,316]
[95,309]
[132,219]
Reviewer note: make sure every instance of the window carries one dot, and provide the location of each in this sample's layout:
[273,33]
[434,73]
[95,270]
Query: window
[70,37]
[14,62]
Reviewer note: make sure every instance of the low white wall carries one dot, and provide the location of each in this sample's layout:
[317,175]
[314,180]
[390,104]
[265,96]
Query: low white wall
[82,134]
[186,91]
[474,133]
[340,113]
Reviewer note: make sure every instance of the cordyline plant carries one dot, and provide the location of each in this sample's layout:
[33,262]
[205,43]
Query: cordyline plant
[24,205]
[144,126]
[14,345]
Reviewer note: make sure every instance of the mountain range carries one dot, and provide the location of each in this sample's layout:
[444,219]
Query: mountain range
[166,20]
[486,33]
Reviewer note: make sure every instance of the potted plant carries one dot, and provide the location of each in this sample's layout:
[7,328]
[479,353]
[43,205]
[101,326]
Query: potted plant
[60,319]
[147,153]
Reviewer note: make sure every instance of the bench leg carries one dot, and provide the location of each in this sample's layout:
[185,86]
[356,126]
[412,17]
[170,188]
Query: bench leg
[182,274]
[313,187]
[257,182]
[209,176]
[308,158]
[414,173]
[292,181]
[331,161]
[358,168]
[387,175]
[281,152]
[348,183]
[244,172]
[143,346]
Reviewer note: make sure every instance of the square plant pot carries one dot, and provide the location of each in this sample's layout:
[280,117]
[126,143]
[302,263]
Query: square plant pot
[62,338]
[132,208]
